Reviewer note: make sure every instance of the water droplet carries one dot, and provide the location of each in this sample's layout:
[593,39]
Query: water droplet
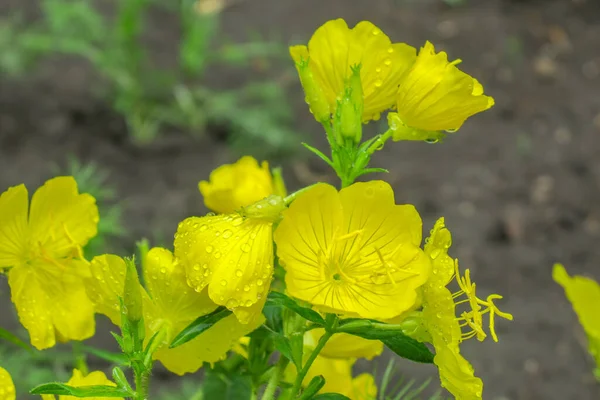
[391,50]
[196,267]
[163,271]
[273,202]
[217,233]
[195,225]
[209,249]
[245,247]
[259,282]
[388,62]
[248,303]
[232,303]
[206,273]
[432,140]
[238,272]
[238,221]
[439,315]
[217,254]
[376,32]
[246,288]
[378,69]
[223,282]
[227,234]
[203,228]
[378,83]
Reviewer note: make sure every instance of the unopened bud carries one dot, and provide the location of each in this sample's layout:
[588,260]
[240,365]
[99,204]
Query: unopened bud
[315,97]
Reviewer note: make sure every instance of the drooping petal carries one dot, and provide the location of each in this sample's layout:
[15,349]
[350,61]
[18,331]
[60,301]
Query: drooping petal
[436,247]
[167,285]
[61,218]
[210,346]
[91,379]
[230,254]
[13,226]
[106,285]
[233,186]
[435,95]
[7,387]
[364,387]
[304,238]
[50,306]
[457,374]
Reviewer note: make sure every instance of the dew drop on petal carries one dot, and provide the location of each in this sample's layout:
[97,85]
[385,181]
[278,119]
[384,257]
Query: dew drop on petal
[246,288]
[238,272]
[223,282]
[203,228]
[209,249]
[378,83]
[388,62]
[245,247]
[259,282]
[391,50]
[227,234]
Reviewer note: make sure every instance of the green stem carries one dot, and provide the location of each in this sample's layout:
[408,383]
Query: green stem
[380,141]
[289,199]
[142,383]
[80,359]
[302,374]
[269,393]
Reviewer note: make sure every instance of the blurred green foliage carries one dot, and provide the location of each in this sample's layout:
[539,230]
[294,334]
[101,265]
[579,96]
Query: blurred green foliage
[150,98]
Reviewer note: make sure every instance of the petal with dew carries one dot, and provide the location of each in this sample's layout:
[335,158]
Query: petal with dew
[13,228]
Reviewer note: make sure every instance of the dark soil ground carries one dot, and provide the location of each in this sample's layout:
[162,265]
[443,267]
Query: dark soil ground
[519,185]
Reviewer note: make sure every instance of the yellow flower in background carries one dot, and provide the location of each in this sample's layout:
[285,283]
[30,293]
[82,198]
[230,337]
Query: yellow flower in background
[232,255]
[443,326]
[434,95]
[91,379]
[233,186]
[344,345]
[42,246]
[339,379]
[334,48]
[584,295]
[7,387]
[169,305]
[354,252]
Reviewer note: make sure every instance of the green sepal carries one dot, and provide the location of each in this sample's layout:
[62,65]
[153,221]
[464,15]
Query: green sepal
[277,298]
[62,389]
[199,325]
[319,154]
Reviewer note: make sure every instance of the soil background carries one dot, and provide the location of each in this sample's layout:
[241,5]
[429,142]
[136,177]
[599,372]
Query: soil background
[519,185]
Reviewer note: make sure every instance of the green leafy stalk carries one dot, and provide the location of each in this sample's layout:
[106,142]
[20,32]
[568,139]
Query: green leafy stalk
[269,393]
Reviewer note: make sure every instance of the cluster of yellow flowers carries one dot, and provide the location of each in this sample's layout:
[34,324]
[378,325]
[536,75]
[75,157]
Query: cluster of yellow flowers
[348,254]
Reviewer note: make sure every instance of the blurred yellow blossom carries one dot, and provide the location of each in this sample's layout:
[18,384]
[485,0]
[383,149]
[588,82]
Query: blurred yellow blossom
[7,387]
[444,328]
[434,95]
[339,379]
[233,186]
[584,295]
[344,345]
[354,252]
[91,379]
[334,49]
[42,246]
[232,255]
[169,305]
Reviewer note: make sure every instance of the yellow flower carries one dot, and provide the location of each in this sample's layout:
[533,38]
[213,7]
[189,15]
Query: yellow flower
[169,305]
[344,345]
[354,252]
[43,245]
[233,186]
[7,387]
[334,49]
[338,379]
[584,295]
[91,379]
[435,95]
[441,323]
[232,255]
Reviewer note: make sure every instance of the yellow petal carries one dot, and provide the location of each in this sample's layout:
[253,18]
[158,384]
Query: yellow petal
[230,254]
[13,229]
[436,247]
[106,285]
[334,49]
[232,186]
[435,95]
[337,374]
[166,283]
[60,218]
[584,295]
[93,378]
[343,345]
[7,387]
[364,387]
[210,346]
[51,305]
[456,374]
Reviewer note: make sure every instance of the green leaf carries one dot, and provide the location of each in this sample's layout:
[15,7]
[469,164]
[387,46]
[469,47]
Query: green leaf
[319,154]
[199,325]
[274,317]
[277,298]
[409,348]
[330,396]
[83,391]
[219,386]
[10,337]
[313,387]
[282,345]
[115,358]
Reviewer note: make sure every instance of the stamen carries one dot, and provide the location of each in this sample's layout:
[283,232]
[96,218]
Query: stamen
[385,266]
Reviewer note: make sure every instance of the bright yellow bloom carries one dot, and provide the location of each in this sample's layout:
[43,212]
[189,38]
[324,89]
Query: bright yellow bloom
[344,345]
[43,245]
[232,255]
[354,252]
[7,387]
[233,186]
[338,379]
[584,295]
[91,379]
[169,305]
[435,95]
[334,49]
[441,323]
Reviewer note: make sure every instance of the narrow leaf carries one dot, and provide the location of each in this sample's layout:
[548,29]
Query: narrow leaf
[10,337]
[319,154]
[330,396]
[115,358]
[199,325]
[82,391]
[307,313]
